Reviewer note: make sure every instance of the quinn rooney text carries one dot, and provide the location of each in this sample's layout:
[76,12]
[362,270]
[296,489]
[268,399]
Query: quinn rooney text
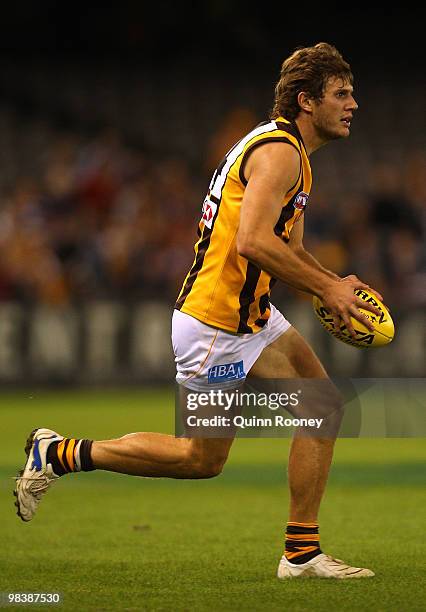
[243,422]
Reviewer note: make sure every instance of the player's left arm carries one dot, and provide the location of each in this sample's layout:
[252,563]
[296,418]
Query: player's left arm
[296,245]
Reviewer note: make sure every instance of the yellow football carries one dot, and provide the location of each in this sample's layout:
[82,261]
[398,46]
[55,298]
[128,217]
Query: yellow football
[384,329]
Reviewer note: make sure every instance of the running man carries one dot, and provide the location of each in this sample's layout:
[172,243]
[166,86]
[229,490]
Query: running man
[250,235]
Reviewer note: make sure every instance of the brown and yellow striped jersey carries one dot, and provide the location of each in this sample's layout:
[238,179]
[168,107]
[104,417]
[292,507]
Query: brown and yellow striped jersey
[222,288]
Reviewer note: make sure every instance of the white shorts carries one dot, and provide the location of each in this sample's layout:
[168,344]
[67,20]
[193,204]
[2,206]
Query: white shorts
[207,357]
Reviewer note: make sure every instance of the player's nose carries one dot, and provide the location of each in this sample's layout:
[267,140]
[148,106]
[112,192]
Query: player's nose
[353,105]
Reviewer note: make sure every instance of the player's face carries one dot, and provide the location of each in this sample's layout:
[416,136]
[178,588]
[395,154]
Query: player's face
[332,115]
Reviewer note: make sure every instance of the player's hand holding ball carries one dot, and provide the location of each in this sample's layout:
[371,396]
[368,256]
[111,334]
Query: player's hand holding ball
[354,313]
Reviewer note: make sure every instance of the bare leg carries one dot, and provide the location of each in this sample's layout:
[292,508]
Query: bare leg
[310,458]
[156,455]
[308,467]
[162,455]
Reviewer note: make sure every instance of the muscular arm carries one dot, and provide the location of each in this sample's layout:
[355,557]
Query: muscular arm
[271,170]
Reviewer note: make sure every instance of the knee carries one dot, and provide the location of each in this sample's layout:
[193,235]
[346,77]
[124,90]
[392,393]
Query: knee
[207,468]
[202,466]
[327,401]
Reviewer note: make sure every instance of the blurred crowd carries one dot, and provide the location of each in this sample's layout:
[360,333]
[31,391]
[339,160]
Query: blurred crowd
[101,220]
[94,217]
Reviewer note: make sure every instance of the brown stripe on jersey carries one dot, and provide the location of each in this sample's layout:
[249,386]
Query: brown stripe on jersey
[247,297]
[198,263]
[286,214]
[292,129]
[257,144]
[264,303]
[289,210]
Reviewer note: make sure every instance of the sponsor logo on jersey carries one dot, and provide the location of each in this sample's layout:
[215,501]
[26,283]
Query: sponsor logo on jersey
[301,200]
[209,211]
[227,371]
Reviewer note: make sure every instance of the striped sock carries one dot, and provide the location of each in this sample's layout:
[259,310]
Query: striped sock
[70,455]
[301,542]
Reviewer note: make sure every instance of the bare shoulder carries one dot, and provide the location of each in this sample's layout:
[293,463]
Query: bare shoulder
[277,161]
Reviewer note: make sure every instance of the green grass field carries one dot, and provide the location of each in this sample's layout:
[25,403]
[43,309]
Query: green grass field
[111,542]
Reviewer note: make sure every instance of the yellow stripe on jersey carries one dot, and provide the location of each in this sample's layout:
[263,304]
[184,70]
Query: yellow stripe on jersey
[222,288]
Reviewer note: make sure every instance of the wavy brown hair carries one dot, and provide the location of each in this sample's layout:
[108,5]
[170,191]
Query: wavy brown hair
[307,69]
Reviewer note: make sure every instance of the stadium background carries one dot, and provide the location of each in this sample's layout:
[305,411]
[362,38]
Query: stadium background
[112,119]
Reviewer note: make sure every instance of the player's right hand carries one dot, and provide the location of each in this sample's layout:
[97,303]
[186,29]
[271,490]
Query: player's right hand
[340,298]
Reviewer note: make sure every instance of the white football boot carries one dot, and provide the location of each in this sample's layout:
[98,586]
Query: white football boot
[321,566]
[37,476]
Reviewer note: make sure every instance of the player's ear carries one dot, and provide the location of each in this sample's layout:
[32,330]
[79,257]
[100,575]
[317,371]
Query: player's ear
[305,102]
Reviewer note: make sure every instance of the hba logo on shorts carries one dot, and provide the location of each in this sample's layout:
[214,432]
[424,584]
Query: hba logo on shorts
[227,371]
